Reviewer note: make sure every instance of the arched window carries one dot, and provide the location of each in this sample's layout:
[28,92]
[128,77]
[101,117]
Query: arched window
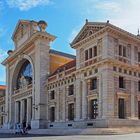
[24,75]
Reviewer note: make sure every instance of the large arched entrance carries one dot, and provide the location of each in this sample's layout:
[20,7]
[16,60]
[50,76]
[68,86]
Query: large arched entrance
[22,83]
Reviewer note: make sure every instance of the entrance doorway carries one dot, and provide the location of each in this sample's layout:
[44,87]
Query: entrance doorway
[121,108]
[139,109]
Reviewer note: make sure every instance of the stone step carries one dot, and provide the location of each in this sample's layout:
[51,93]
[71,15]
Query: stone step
[87,131]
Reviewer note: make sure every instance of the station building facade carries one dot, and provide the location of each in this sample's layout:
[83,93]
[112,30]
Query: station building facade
[99,87]
[2,105]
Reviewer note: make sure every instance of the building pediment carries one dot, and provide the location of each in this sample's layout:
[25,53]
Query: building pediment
[22,26]
[88,29]
[24,29]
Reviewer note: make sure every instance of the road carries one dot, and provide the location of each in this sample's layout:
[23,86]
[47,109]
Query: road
[135,136]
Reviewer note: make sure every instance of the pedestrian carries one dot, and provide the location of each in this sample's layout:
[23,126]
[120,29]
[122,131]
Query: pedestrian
[18,128]
[24,126]
[28,128]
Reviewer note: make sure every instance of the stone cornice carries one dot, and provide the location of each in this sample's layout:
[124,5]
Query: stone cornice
[122,64]
[27,43]
[102,62]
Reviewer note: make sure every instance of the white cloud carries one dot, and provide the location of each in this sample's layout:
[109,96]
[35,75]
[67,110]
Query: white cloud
[107,5]
[25,5]
[124,14]
[128,16]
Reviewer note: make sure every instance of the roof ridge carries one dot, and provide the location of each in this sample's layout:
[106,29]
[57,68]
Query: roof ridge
[62,53]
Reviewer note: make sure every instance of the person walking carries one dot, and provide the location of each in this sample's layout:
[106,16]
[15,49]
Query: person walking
[24,126]
[28,128]
[18,128]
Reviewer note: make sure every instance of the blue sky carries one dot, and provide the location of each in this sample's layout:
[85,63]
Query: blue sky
[64,18]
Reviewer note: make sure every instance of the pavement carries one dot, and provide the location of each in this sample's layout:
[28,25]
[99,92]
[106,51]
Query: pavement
[133,136]
[87,131]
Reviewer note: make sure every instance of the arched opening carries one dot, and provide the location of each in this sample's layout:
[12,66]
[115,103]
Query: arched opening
[22,80]
[25,75]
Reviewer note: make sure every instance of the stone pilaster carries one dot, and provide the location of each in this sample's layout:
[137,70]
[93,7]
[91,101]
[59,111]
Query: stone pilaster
[78,98]
[41,72]
[100,97]
[6,123]
[77,59]
[106,92]
[57,104]
[16,112]
[105,46]
[132,100]
[29,109]
[64,104]
[84,100]
[132,55]
[22,111]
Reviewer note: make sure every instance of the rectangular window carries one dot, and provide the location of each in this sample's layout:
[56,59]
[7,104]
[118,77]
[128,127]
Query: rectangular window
[120,50]
[138,109]
[71,89]
[138,56]
[114,68]
[86,55]
[52,95]
[52,114]
[125,71]
[90,53]
[71,111]
[93,84]
[138,85]
[121,82]
[95,51]
[121,108]
[124,51]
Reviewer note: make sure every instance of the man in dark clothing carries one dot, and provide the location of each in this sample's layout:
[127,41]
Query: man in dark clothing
[24,127]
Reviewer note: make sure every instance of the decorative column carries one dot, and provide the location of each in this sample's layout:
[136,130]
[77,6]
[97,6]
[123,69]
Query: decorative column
[6,124]
[22,111]
[100,97]
[29,110]
[84,100]
[9,104]
[132,99]
[78,98]
[57,94]
[64,104]
[88,81]
[16,111]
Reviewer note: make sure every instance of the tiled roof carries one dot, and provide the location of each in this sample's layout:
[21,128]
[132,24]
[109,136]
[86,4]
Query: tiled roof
[66,66]
[62,54]
[2,87]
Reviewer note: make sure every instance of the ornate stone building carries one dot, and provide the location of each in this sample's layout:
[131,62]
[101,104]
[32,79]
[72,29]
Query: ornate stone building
[2,105]
[100,87]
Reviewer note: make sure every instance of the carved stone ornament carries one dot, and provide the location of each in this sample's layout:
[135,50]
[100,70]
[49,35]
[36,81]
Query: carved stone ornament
[42,25]
[23,82]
